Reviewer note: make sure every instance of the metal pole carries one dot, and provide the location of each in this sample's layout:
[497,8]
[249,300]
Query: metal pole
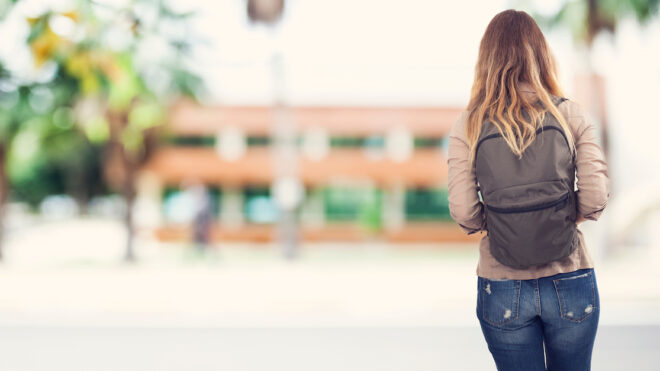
[287,188]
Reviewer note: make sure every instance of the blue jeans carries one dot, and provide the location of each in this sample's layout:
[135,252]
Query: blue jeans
[547,322]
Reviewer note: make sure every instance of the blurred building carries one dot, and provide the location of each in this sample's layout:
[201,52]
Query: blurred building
[367,172]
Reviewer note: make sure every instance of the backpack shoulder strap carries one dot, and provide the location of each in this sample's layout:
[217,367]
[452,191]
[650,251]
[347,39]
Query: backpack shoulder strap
[557,101]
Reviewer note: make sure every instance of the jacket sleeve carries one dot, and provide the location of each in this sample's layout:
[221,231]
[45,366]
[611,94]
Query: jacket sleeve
[464,204]
[592,178]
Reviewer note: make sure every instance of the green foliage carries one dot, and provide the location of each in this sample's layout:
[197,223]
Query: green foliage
[5,6]
[643,10]
[56,130]
[50,160]
[48,154]
[97,129]
[146,114]
[125,87]
[112,75]
[587,18]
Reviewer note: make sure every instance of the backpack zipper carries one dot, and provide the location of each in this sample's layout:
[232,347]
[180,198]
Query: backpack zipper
[545,205]
[538,131]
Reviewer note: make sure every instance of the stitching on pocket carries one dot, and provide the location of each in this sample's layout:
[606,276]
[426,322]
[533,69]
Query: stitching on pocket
[592,303]
[572,278]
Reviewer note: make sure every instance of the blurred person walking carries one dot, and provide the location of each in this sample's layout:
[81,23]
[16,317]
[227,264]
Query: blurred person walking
[202,216]
[514,155]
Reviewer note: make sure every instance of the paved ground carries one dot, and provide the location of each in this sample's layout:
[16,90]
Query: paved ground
[318,349]
[68,303]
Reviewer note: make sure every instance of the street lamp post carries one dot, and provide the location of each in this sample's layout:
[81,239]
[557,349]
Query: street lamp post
[286,188]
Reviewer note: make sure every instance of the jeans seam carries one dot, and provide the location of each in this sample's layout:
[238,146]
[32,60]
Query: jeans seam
[537,297]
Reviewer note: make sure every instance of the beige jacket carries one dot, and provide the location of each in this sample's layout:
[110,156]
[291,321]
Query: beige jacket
[592,195]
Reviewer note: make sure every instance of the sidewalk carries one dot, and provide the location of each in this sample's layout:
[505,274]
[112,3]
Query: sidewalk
[50,278]
[32,348]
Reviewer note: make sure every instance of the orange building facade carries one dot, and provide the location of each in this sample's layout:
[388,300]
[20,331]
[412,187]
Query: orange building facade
[363,172]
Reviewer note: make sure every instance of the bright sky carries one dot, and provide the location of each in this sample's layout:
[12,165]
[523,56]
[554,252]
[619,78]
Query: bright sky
[346,51]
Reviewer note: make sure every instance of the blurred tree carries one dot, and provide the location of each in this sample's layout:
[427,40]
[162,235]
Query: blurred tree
[128,64]
[41,152]
[49,155]
[8,126]
[588,18]
[11,101]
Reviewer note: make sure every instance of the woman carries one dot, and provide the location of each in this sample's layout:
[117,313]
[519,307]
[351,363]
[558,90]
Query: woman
[542,314]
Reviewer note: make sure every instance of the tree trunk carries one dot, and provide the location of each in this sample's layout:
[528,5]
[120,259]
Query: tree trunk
[4,194]
[129,196]
[120,171]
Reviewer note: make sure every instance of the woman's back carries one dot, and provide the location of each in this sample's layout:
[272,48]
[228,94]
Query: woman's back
[538,303]
[592,195]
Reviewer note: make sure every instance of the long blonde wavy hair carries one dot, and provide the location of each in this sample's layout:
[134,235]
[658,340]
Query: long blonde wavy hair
[513,50]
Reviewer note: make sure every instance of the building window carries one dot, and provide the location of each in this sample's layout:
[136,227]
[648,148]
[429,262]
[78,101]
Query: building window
[429,142]
[427,204]
[210,141]
[193,141]
[259,206]
[179,205]
[362,205]
[374,141]
[258,141]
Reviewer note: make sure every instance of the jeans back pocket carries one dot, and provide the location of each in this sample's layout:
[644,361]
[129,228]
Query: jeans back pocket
[499,300]
[577,296]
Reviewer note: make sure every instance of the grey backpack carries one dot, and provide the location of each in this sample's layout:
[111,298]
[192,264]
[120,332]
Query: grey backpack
[530,202]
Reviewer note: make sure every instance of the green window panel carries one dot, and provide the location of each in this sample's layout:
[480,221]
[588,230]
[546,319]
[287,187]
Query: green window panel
[258,205]
[357,142]
[168,192]
[346,142]
[215,194]
[360,205]
[177,205]
[427,204]
[335,142]
[195,141]
[258,141]
[210,141]
[429,142]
